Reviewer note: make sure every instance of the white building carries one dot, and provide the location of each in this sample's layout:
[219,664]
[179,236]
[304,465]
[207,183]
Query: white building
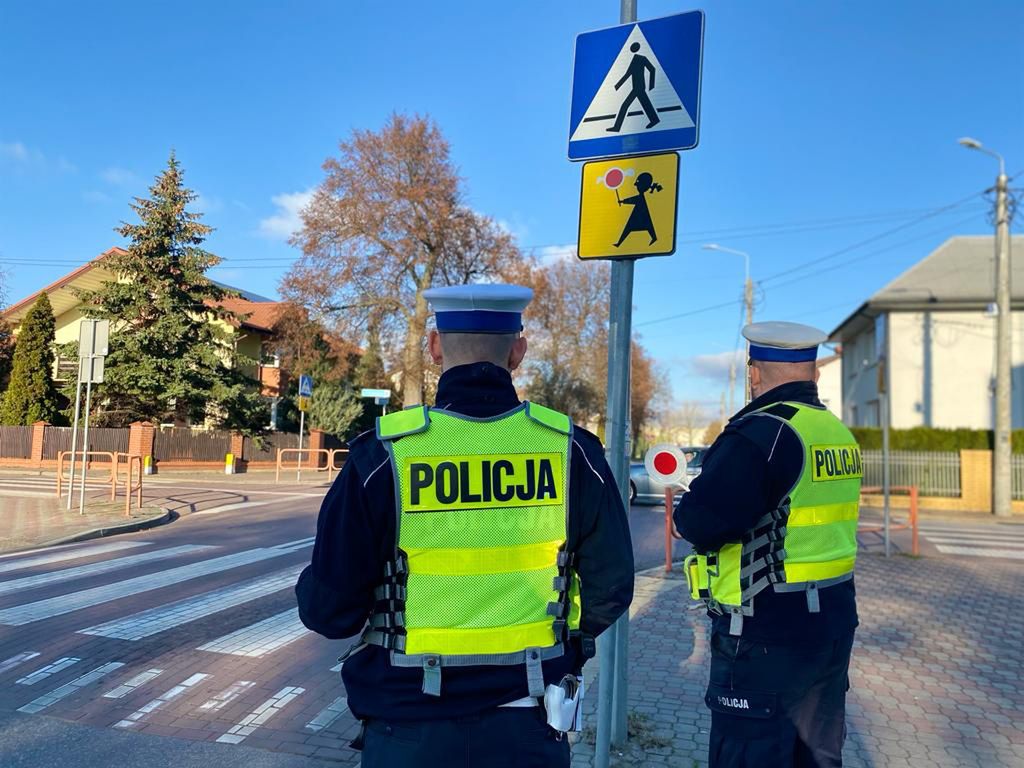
[830,383]
[938,322]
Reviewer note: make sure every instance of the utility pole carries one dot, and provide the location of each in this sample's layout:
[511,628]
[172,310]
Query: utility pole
[1002,483]
[748,298]
[1001,475]
[748,301]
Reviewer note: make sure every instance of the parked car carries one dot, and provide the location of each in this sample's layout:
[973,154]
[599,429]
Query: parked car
[645,490]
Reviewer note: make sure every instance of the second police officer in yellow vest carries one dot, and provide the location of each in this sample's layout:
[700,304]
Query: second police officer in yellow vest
[479,545]
[773,520]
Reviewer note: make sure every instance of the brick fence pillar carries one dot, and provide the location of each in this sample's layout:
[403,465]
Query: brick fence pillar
[316,442]
[38,429]
[237,450]
[976,480]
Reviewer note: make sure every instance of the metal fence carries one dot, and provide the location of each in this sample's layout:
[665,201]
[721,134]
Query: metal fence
[1017,472]
[182,443]
[267,450]
[934,473]
[16,442]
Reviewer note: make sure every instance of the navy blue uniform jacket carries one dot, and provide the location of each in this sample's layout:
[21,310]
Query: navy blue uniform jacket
[356,537]
[751,467]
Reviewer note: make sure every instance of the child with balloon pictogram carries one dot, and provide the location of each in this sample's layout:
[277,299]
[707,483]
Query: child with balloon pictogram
[640,217]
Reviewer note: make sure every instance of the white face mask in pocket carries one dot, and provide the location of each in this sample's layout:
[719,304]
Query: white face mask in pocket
[564,704]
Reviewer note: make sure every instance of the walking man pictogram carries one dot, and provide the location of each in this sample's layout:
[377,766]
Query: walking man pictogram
[635,72]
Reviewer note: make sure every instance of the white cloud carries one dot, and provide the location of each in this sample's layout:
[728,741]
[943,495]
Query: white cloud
[119,177]
[551,254]
[23,157]
[286,220]
[204,204]
[96,196]
[716,366]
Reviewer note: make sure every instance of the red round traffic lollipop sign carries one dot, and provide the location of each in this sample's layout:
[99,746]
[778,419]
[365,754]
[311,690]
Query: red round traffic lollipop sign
[613,178]
[666,464]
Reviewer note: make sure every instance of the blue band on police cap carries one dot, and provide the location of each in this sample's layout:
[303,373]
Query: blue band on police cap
[479,321]
[775,355]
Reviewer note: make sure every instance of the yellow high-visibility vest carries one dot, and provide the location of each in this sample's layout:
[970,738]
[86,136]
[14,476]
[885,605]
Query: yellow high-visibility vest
[481,574]
[809,542]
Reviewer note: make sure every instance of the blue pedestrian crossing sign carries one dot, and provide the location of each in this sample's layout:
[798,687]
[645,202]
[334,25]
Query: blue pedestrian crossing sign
[305,386]
[636,88]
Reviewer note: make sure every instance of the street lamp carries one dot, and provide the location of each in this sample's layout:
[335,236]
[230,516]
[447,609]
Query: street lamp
[748,298]
[1001,478]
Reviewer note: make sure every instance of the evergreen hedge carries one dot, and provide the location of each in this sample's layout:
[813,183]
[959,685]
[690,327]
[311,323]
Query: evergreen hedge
[931,439]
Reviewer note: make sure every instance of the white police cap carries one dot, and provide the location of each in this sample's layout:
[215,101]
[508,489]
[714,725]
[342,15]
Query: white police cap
[781,342]
[480,308]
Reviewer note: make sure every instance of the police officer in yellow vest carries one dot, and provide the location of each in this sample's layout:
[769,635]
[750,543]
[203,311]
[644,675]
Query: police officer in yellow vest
[773,520]
[479,546]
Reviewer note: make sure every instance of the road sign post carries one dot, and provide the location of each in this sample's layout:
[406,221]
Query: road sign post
[305,395]
[380,397]
[635,91]
[93,346]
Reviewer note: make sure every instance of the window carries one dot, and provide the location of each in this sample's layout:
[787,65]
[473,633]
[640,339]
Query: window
[270,359]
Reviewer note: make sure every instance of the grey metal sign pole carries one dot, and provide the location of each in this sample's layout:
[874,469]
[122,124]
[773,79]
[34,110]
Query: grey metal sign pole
[85,438]
[614,642]
[74,433]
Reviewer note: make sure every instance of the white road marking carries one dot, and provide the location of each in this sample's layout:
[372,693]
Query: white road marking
[56,557]
[336,667]
[17,659]
[1012,554]
[261,638]
[164,617]
[242,505]
[44,701]
[260,715]
[50,669]
[246,492]
[87,598]
[995,528]
[94,569]
[135,717]
[974,540]
[130,685]
[327,716]
[226,696]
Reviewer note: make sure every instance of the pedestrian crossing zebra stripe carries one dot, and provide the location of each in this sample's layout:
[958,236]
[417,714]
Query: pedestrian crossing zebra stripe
[95,569]
[259,716]
[261,638]
[48,699]
[131,684]
[17,659]
[1011,554]
[140,714]
[50,669]
[328,715]
[980,541]
[27,613]
[149,622]
[226,696]
[76,554]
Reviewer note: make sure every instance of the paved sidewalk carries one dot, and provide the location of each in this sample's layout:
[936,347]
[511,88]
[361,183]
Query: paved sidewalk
[936,674]
[32,521]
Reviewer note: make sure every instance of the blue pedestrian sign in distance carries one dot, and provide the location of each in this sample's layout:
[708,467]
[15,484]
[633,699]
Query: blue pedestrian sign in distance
[305,386]
[636,88]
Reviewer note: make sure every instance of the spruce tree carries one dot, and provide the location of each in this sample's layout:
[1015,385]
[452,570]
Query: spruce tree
[169,360]
[31,395]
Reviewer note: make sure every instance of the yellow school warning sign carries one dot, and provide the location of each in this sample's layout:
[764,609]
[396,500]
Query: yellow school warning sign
[628,207]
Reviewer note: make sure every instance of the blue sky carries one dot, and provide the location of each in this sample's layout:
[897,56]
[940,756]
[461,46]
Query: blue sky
[838,120]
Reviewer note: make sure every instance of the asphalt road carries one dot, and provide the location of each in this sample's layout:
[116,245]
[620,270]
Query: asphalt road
[109,648]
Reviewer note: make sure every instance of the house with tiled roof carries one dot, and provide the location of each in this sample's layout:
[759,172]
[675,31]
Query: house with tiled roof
[253,334]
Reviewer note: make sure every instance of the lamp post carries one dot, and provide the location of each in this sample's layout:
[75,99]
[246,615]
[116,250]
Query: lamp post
[1001,478]
[748,299]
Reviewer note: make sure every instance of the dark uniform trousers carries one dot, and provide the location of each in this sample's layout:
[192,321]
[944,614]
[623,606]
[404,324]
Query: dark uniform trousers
[507,737]
[777,706]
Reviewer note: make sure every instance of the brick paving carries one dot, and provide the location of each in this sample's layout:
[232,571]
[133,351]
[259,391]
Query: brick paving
[936,675]
[32,521]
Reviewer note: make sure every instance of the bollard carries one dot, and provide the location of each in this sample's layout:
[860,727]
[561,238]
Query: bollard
[229,464]
[147,465]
